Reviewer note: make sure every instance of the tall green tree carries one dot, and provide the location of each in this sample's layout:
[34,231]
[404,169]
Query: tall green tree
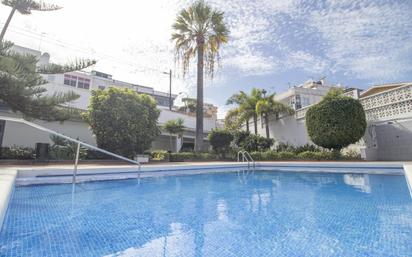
[268,106]
[24,7]
[21,84]
[199,30]
[123,121]
[247,106]
[174,127]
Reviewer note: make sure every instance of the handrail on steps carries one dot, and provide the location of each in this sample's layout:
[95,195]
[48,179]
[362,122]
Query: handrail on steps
[34,125]
[246,157]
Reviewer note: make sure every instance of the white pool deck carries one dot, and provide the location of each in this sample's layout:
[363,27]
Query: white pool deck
[52,174]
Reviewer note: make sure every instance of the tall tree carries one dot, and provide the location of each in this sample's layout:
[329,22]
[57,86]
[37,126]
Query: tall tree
[174,127]
[21,83]
[269,106]
[247,105]
[24,7]
[199,30]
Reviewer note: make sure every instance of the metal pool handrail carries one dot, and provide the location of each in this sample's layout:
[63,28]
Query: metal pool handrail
[34,125]
[246,157]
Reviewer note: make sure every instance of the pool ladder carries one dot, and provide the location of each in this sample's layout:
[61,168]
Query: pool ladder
[244,156]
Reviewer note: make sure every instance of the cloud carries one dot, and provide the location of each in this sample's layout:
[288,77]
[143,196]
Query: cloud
[367,39]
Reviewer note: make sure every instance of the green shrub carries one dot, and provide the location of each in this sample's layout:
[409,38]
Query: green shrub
[287,155]
[351,155]
[220,141]
[308,155]
[123,121]
[257,143]
[17,153]
[191,156]
[336,122]
[159,155]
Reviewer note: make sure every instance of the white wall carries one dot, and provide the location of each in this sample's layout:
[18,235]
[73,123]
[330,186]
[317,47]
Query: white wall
[285,130]
[17,134]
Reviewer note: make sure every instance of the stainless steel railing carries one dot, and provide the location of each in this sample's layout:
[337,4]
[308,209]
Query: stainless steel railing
[245,156]
[79,143]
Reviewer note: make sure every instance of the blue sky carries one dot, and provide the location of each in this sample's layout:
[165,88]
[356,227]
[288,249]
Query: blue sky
[273,43]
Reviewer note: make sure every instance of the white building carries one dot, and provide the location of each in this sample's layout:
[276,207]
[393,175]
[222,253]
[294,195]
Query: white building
[13,134]
[388,110]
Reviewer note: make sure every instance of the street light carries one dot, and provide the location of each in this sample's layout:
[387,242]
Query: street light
[170,87]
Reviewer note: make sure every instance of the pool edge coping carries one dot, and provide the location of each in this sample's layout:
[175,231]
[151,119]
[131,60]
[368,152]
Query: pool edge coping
[7,182]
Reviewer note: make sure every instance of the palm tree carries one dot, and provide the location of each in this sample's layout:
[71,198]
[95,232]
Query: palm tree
[24,7]
[174,127]
[247,106]
[200,30]
[269,106]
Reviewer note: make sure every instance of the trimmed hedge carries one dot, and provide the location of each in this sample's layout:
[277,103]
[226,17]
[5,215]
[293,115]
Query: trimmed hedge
[192,156]
[17,153]
[335,123]
[303,156]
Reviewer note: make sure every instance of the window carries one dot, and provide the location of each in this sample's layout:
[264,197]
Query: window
[70,80]
[83,83]
[75,81]
[102,87]
[305,101]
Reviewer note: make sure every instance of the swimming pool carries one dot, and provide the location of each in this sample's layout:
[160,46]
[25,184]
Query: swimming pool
[265,213]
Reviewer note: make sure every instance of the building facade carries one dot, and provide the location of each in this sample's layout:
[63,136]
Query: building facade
[388,110]
[82,83]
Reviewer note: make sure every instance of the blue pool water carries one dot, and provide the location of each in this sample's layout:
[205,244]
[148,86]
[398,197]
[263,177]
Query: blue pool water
[230,214]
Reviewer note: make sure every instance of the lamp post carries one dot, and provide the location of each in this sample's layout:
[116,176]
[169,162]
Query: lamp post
[170,87]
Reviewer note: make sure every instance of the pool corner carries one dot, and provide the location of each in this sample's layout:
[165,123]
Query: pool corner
[7,180]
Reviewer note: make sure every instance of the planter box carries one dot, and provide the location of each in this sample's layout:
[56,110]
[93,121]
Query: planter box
[142,158]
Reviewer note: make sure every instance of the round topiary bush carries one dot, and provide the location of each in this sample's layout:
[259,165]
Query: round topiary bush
[335,123]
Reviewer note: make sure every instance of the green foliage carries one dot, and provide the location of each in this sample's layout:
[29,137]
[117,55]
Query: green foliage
[197,26]
[21,87]
[63,149]
[17,153]
[282,147]
[192,156]
[122,120]
[159,155]
[257,143]
[174,127]
[302,156]
[220,140]
[336,122]
[246,106]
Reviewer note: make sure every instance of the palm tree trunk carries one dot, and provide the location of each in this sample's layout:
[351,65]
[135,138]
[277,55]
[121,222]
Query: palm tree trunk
[199,105]
[171,144]
[255,122]
[6,25]
[247,125]
[267,125]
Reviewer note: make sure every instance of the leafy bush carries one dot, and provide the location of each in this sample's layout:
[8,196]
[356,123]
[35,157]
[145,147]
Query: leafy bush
[220,140]
[351,155]
[336,122]
[308,155]
[239,138]
[123,121]
[159,155]
[284,147]
[17,153]
[257,143]
[63,149]
[192,156]
[287,155]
